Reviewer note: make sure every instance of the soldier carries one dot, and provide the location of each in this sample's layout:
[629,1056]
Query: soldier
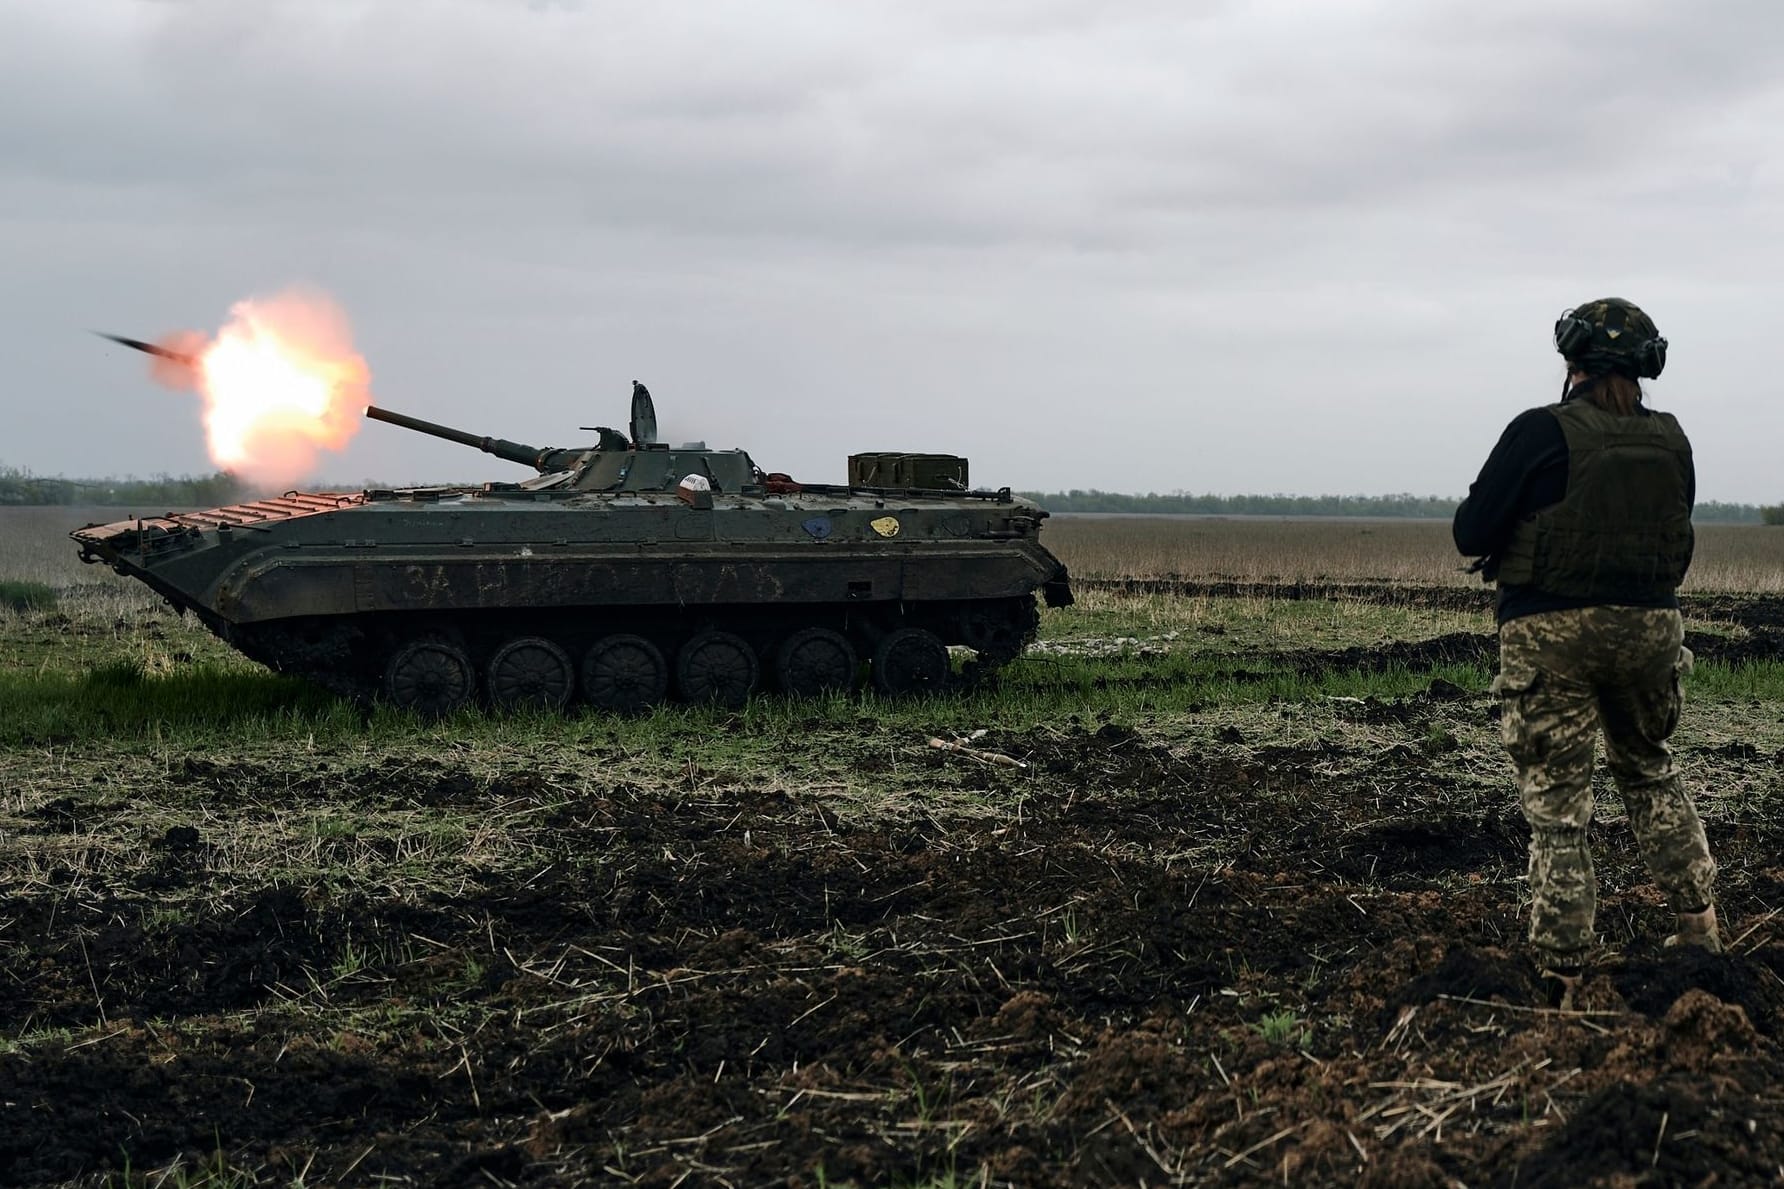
[1582,514]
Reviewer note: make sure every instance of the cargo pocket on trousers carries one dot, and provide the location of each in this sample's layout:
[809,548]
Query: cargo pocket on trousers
[1516,685]
[1676,704]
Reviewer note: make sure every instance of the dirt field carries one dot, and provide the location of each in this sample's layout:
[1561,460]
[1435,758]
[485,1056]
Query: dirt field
[1203,935]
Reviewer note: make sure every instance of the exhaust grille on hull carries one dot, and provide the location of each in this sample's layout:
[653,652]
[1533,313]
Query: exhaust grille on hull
[292,503]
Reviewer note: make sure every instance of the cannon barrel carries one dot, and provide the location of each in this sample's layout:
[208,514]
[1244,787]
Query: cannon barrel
[531,456]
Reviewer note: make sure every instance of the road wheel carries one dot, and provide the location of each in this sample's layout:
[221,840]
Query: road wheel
[530,673]
[911,660]
[815,661]
[625,674]
[998,630]
[431,678]
[717,668]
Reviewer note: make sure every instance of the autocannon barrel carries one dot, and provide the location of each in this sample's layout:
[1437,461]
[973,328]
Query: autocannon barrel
[531,456]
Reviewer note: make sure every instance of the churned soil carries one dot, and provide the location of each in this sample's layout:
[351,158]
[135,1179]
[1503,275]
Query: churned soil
[1139,964]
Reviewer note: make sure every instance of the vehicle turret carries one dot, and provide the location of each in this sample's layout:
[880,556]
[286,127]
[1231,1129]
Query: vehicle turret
[613,463]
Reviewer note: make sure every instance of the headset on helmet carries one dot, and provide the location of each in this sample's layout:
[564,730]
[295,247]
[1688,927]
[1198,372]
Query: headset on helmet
[1611,335]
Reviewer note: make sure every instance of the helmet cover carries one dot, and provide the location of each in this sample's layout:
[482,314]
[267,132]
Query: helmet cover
[1611,335]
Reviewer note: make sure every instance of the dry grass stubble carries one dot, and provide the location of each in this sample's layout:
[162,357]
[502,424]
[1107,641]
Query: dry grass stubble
[1737,558]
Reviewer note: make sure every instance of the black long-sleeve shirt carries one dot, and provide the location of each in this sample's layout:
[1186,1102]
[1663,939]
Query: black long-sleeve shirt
[1525,473]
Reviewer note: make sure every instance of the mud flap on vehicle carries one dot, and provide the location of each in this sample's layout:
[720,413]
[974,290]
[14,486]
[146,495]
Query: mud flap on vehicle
[1057,590]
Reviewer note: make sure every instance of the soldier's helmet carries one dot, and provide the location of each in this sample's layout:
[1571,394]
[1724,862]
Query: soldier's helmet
[1611,335]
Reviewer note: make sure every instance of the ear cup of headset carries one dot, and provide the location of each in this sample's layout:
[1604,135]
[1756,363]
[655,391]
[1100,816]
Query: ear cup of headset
[1571,333]
[1652,359]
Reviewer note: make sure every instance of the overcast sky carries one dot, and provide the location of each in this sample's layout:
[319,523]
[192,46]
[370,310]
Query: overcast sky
[1224,246]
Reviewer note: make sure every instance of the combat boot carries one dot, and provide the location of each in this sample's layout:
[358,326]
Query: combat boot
[1698,929]
[1560,982]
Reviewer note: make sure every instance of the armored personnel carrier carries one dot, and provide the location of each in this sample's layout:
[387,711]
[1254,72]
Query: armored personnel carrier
[624,573]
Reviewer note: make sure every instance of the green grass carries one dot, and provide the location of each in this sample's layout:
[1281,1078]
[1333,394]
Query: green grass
[207,701]
[1759,681]
[1239,625]
[212,1172]
[1283,1028]
[26,596]
[119,699]
[204,702]
[89,674]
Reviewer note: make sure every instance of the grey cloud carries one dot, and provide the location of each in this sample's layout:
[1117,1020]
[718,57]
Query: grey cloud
[1241,234]
[882,128]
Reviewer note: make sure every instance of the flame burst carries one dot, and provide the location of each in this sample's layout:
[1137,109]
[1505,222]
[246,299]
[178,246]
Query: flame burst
[281,382]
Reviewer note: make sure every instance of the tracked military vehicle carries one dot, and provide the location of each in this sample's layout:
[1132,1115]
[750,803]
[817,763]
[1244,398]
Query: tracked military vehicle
[623,573]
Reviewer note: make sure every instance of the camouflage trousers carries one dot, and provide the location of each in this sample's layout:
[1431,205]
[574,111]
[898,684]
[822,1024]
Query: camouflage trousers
[1562,676]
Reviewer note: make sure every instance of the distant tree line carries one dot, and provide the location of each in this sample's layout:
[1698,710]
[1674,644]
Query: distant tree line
[18,486]
[1402,505]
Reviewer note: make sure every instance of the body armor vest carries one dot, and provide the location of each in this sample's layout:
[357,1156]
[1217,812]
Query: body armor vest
[1623,531]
